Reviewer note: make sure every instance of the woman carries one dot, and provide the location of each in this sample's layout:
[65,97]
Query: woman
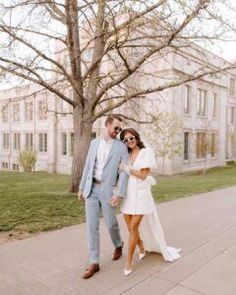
[139,206]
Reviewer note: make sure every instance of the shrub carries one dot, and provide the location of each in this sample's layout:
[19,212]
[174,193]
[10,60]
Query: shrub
[27,160]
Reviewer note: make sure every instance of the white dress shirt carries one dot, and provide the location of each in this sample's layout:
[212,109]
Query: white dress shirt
[102,154]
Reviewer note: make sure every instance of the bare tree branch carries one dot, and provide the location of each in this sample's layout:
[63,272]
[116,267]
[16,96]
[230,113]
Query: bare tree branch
[169,85]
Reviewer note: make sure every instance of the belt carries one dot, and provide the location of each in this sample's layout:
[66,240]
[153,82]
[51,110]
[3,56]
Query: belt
[96,181]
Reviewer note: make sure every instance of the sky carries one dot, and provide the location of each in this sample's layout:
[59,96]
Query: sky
[228,51]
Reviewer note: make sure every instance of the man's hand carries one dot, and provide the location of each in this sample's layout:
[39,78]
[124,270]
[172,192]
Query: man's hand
[115,201]
[80,196]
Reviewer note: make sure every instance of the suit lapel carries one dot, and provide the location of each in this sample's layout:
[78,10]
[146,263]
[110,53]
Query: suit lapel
[111,152]
[95,150]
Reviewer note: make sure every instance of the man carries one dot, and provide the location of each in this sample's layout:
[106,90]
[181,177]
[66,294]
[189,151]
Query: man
[102,186]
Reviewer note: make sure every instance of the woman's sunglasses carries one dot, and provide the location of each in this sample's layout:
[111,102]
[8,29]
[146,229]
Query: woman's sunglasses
[131,138]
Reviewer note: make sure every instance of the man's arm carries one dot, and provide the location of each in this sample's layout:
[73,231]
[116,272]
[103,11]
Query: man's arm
[123,176]
[86,166]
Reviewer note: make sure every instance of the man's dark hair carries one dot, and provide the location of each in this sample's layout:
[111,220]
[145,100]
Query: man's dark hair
[111,117]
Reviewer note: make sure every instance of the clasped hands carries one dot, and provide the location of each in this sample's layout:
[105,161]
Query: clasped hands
[114,201]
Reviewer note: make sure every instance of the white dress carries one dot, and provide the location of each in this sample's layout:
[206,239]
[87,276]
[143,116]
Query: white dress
[139,200]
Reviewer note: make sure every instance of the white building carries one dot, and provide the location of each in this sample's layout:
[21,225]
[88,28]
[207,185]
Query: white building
[35,119]
[207,108]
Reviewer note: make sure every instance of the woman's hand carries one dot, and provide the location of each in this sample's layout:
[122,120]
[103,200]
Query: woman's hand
[124,167]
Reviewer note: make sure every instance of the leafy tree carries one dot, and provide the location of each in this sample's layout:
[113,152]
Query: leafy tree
[166,134]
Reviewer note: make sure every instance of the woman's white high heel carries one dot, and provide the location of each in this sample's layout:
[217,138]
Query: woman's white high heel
[141,255]
[127,271]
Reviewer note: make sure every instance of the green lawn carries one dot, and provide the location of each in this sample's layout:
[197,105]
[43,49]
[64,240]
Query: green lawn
[38,201]
[170,188]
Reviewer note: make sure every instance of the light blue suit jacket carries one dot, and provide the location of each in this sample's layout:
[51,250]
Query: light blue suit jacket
[111,176]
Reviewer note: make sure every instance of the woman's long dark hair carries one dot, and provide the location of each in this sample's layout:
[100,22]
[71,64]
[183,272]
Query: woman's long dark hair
[140,144]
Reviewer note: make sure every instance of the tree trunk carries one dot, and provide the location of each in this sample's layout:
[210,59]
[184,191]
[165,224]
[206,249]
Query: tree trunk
[82,137]
[163,164]
[205,165]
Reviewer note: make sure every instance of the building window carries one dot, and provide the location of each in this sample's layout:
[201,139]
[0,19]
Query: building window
[201,102]
[232,115]
[87,55]
[232,86]
[15,167]
[186,145]
[28,111]
[16,112]
[72,139]
[5,113]
[201,145]
[187,99]
[42,106]
[213,144]
[64,144]
[43,142]
[6,141]
[29,141]
[66,61]
[16,141]
[214,105]
[63,107]
[5,166]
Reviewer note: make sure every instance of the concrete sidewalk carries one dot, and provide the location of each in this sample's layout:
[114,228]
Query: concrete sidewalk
[204,226]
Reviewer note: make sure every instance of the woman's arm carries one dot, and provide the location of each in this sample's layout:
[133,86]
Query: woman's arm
[142,173]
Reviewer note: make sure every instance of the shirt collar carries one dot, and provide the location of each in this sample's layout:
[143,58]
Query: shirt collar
[110,140]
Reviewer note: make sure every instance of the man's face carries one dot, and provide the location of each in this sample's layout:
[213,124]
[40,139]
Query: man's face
[114,128]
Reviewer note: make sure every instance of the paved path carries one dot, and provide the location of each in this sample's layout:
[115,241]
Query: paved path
[204,226]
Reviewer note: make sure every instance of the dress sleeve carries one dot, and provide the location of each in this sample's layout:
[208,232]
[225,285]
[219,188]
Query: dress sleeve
[148,159]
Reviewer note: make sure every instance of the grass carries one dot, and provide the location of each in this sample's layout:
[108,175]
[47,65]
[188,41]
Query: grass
[38,201]
[170,188]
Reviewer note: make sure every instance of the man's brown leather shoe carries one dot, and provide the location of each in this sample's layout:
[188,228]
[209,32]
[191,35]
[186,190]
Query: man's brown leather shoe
[91,270]
[118,252]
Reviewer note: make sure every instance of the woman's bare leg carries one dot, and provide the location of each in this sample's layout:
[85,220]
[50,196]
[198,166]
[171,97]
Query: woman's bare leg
[133,238]
[127,218]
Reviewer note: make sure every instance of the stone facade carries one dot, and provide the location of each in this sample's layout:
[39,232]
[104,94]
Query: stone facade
[34,118]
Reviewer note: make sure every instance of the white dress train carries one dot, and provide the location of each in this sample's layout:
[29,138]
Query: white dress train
[153,237]
[139,200]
